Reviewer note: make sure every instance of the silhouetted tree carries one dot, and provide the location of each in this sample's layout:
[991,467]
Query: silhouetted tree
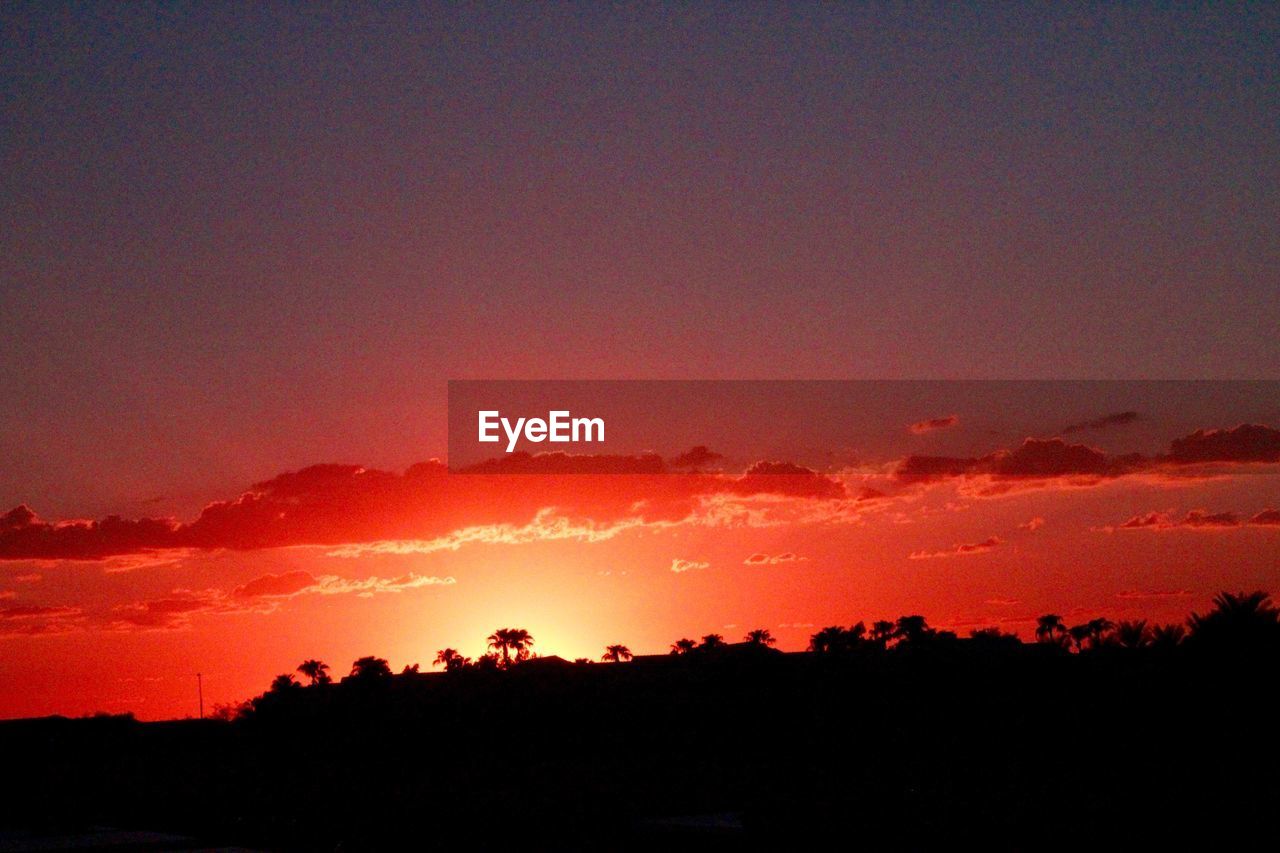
[882,632]
[1133,634]
[1050,629]
[317,671]
[370,667]
[410,669]
[451,659]
[616,654]
[828,640]
[834,639]
[284,682]
[912,629]
[513,644]
[760,637]
[994,638]
[683,646]
[1078,635]
[1098,630]
[487,663]
[712,641]
[1167,636]
[1238,620]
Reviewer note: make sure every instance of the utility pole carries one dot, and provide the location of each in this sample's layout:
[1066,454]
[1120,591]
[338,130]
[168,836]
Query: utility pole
[200,691]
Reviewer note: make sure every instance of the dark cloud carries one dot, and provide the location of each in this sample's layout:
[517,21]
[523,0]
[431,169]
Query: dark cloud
[783,478]
[1198,519]
[1042,460]
[1245,443]
[1118,419]
[21,620]
[696,457]
[1267,518]
[1034,459]
[920,427]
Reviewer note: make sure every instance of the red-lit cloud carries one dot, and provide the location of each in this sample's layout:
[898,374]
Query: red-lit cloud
[681,566]
[759,559]
[920,427]
[342,504]
[32,620]
[1197,519]
[959,550]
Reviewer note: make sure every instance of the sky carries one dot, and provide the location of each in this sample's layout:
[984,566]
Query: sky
[245,240]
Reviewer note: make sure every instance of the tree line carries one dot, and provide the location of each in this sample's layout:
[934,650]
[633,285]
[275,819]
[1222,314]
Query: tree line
[1241,620]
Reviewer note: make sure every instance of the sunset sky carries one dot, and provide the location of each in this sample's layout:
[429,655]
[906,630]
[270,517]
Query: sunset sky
[243,241]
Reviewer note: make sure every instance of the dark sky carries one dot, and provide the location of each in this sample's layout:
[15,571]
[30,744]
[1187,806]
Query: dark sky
[239,238]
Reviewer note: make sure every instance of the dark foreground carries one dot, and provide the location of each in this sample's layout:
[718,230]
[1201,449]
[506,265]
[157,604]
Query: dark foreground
[955,744]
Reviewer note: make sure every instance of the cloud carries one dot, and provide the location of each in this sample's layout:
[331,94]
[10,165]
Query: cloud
[1002,602]
[959,550]
[1032,525]
[696,457]
[680,566]
[921,427]
[36,620]
[1118,419]
[260,595]
[759,559]
[1248,443]
[345,505]
[1153,593]
[558,462]
[33,577]
[1038,462]
[1266,518]
[1196,519]
[169,613]
[334,585]
[285,584]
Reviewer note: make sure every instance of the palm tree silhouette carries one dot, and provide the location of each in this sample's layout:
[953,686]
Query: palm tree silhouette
[1167,636]
[1078,634]
[513,644]
[616,653]
[317,671]
[712,641]
[1133,634]
[1050,629]
[836,639]
[284,682]
[370,667]
[1098,629]
[1242,619]
[683,646]
[760,637]
[828,640]
[451,659]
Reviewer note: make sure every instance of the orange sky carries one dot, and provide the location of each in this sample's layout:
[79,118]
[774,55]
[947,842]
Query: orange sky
[924,508]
